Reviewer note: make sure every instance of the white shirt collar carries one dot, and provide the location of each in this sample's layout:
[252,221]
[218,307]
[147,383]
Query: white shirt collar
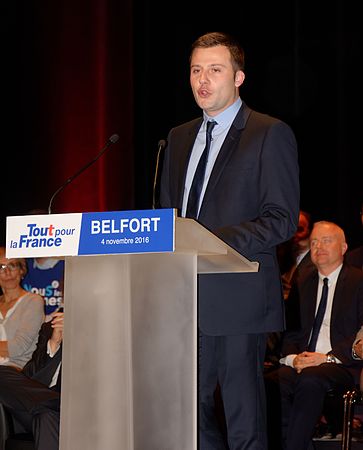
[46,263]
[333,276]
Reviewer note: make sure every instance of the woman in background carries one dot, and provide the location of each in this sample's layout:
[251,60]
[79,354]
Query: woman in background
[21,314]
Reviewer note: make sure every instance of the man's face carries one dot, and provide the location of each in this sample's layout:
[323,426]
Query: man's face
[327,246]
[303,229]
[213,80]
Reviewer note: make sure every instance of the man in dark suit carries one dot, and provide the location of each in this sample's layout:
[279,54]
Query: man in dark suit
[313,366]
[32,395]
[294,254]
[248,197]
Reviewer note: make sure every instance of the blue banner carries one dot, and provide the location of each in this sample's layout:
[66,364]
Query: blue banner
[141,231]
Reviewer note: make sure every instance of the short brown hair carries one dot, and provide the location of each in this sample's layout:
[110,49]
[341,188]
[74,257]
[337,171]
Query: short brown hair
[217,38]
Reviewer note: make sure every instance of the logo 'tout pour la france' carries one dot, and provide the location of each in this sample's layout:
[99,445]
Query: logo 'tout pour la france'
[42,235]
[90,233]
[38,236]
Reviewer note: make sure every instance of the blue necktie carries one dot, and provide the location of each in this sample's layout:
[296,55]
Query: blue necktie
[319,317]
[196,188]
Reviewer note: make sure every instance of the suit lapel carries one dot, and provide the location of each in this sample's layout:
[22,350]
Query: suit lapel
[229,145]
[312,295]
[184,152]
[338,299]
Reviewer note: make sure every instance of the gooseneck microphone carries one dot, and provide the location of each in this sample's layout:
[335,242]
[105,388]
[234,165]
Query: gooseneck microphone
[161,146]
[112,140]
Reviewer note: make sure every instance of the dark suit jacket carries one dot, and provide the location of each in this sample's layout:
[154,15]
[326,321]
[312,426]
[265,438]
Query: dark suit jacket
[252,203]
[346,317]
[41,366]
[355,257]
[303,269]
[304,266]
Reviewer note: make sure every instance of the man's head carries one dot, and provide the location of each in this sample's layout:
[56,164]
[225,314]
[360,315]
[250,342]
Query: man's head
[301,237]
[327,246]
[216,71]
[215,39]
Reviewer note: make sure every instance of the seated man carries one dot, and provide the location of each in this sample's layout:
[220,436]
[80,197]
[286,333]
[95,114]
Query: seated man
[294,255]
[317,345]
[32,395]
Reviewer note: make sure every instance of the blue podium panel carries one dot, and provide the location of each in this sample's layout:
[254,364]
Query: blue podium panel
[96,233]
[127,232]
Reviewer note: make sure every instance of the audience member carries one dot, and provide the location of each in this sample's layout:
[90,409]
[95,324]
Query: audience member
[316,358]
[21,314]
[45,276]
[294,255]
[32,395]
[355,256]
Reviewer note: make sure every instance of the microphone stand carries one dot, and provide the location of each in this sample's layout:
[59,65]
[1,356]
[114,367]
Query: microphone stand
[114,138]
[161,146]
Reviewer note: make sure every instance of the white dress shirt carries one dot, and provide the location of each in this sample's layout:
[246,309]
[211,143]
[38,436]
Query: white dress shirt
[323,344]
[224,121]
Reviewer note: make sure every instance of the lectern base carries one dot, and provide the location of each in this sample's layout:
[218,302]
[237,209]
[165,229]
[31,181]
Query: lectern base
[129,374]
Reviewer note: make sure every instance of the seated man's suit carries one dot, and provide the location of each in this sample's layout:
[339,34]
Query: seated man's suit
[27,396]
[301,395]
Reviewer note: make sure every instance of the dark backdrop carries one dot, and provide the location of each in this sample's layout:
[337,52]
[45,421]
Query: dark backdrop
[73,73]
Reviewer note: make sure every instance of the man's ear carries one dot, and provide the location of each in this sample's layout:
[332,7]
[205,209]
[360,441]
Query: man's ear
[239,78]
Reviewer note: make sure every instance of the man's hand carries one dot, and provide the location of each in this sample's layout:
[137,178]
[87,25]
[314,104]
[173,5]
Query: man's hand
[358,348]
[308,359]
[57,335]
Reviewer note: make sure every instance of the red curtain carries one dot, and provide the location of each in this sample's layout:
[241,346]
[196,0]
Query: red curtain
[84,50]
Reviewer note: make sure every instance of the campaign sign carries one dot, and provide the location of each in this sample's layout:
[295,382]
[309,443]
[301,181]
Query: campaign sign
[97,233]
[141,231]
[42,235]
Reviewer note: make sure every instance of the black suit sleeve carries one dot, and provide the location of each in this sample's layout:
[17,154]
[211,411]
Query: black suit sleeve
[40,357]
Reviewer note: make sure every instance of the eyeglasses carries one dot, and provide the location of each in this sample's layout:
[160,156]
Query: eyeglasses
[10,266]
[325,241]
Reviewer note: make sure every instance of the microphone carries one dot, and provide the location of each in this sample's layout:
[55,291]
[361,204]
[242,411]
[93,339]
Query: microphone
[161,145]
[111,140]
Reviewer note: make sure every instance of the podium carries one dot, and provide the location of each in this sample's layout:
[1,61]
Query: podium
[129,370]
